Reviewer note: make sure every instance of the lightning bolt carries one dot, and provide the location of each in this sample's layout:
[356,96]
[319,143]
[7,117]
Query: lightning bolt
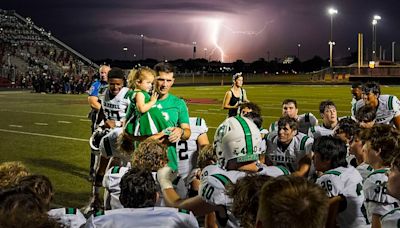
[215,28]
[250,33]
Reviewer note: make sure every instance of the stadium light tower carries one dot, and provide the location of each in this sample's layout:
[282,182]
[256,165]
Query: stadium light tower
[331,12]
[125,50]
[375,20]
[142,37]
[194,49]
[205,53]
[298,50]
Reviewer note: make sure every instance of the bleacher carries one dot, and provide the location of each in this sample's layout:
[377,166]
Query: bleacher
[27,52]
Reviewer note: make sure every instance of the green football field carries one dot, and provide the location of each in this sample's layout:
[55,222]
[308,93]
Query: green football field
[49,132]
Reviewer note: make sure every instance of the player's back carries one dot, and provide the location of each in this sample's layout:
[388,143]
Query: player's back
[214,181]
[144,217]
[111,181]
[377,200]
[391,219]
[346,182]
[71,217]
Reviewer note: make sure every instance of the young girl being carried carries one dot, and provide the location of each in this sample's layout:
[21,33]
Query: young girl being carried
[145,118]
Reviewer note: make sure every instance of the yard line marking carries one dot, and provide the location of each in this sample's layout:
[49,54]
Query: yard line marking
[12,125]
[85,120]
[44,113]
[41,124]
[43,135]
[65,122]
[224,114]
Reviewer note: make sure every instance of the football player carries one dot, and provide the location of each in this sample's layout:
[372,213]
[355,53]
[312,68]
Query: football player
[305,120]
[392,218]
[342,183]
[356,92]
[327,110]
[290,201]
[387,106]
[95,92]
[289,148]
[382,146]
[139,195]
[114,104]
[188,149]
[149,154]
[236,143]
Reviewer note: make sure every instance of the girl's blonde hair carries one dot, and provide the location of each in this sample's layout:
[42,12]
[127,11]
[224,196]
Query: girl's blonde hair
[139,74]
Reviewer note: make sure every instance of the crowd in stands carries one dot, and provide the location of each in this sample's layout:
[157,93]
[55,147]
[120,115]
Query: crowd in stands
[30,58]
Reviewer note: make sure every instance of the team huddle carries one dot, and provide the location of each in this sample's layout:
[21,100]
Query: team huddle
[158,168]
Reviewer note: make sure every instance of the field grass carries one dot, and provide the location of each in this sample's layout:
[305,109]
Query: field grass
[49,132]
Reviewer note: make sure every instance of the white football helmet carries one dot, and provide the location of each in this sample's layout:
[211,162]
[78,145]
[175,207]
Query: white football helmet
[237,137]
[96,137]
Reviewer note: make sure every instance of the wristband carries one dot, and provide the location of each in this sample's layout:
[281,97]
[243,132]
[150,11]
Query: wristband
[165,176]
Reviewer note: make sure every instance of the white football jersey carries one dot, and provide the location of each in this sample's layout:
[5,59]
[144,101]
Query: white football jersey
[187,149]
[346,182]
[353,107]
[305,121]
[71,217]
[115,108]
[388,108]
[111,181]
[213,184]
[144,217]
[391,219]
[365,170]
[377,200]
[300,146]
[263,143]
[318,131]
[112,191]
[108,146]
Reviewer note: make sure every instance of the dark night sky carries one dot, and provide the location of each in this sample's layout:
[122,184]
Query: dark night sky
[243,29]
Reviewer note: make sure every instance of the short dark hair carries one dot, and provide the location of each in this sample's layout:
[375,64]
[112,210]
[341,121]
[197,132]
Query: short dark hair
[164,67]
[251,105]
[366,114]
[20,199]
[331,148]
[138,189]
[396,161]
[290,201]
[371,87]
[386,139]
[116,72]
[346,125]
[287,101]
[287,120]
[255,117]
[356,85]
[245,194]
[324,104]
